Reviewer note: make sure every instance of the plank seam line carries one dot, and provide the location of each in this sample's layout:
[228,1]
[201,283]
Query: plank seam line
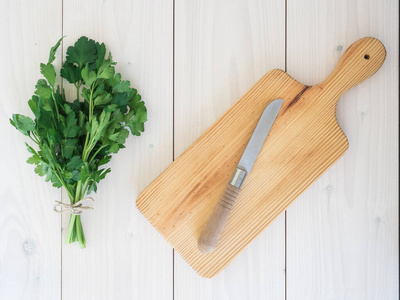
[61,219]
[173,127]
[285,245]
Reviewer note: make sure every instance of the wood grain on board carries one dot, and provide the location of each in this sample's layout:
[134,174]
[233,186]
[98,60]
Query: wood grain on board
[303,143]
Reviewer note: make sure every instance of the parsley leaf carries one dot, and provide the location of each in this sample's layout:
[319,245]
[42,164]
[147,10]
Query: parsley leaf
[52,55]
[49,73]
[71,72]
[88,76]
[106,70]
[122,87]
[42,89]
[22,123]
[71,128]
[83,52]
[101,52]
[75,163]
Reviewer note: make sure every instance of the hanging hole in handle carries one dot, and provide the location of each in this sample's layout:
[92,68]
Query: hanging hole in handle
[366,56]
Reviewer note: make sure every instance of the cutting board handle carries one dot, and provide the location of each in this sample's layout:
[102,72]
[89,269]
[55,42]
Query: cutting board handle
[360,61]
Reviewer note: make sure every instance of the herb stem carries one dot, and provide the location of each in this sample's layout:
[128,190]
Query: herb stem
[64,184]
[79,232]
[36,137]
[78,87]
[84,188]
[55,104]
[78,191]
[85,147]
[76,230]
[71,229]
[33,138]
[86,151]
[98,150]
[91,104]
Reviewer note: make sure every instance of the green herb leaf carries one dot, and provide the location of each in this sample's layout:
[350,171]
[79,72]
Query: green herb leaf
[22,123]
[106,70]
[122,87]
[86,94]
[34,160]
[68,147]
[120,136]
[75,163]
[104,160]
[56,182]
[53,50]
[85,173]
[82,53]
[42,89]
[103,99]
[121,100]
[101,52]
[71,128]
[42,169]
[33,104]
[88,76]
[30,149]
[49,73]
[71,73]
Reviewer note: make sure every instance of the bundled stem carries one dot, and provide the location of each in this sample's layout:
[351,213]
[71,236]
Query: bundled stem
[75,230]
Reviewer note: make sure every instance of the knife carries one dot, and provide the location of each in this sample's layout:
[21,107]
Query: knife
[211,233]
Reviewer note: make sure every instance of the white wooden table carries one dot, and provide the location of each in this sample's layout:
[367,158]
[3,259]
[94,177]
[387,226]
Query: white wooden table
[190,61]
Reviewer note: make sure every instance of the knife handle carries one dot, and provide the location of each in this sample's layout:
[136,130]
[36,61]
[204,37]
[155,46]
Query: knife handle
[211,233]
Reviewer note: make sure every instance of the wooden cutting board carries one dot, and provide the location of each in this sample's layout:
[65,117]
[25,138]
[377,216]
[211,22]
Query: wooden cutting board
[303,143]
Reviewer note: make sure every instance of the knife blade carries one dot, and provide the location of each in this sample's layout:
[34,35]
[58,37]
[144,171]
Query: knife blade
[210,235]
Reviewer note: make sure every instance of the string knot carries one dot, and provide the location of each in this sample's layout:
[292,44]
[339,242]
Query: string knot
[76,208]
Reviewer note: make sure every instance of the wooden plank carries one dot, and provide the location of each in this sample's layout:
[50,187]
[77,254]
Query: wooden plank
[221,49]
[125,257]
[30,251]
[342,234]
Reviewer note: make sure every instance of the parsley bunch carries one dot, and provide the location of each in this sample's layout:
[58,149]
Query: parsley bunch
[76,139]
